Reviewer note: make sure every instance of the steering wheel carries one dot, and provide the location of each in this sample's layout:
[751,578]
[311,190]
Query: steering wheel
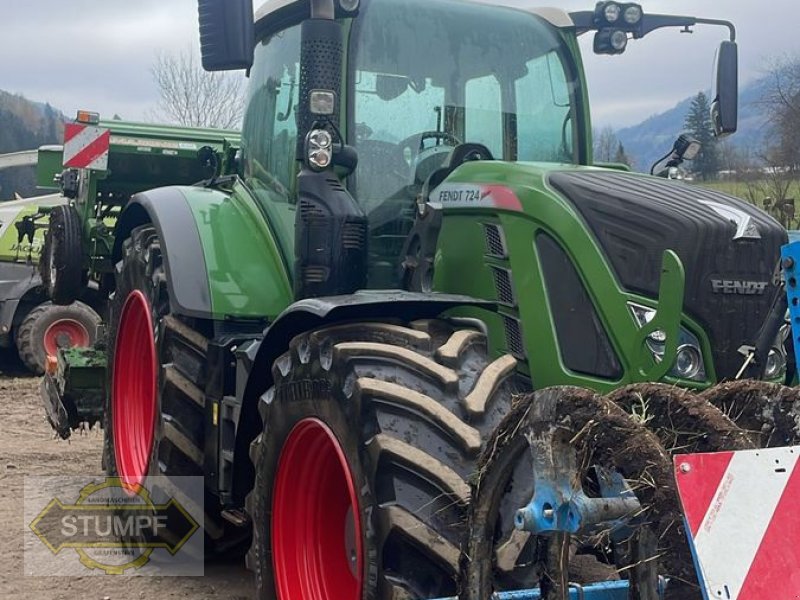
[422,160]
[418,139]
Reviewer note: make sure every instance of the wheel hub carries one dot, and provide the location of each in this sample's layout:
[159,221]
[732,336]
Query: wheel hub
[316,528]
[133,399]
[65,333]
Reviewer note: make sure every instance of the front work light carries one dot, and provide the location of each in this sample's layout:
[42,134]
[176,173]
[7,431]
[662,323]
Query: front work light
[322,102]
[610,41]
[633,14]
[319,149]
[611,12]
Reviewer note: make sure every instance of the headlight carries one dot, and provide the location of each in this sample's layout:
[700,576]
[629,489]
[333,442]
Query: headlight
[689,357]
[619,40]
[776,364]
[633,14]
[688,362]
[611,12]
[319,146]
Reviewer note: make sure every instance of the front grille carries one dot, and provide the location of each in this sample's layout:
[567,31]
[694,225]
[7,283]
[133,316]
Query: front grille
[503,285]
[495,241]
[514,341]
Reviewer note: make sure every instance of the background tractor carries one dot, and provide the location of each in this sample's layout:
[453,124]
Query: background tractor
[331,327]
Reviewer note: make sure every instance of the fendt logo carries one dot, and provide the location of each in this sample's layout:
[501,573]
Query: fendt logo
[736,286]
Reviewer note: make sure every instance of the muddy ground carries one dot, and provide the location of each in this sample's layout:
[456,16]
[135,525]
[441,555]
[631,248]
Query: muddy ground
[27,447]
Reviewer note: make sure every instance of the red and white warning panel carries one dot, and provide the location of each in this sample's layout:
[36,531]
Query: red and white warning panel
[742,512]
[86,146]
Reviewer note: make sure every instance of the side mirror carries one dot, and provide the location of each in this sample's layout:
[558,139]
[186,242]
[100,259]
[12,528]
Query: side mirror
[725,105]
[227,34]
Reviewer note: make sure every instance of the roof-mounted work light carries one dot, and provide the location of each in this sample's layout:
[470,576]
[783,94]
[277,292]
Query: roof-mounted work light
[614,21]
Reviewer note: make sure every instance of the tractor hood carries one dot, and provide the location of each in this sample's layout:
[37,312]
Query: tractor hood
[729,248]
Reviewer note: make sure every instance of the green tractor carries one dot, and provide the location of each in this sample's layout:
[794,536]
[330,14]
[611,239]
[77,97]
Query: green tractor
[331,328]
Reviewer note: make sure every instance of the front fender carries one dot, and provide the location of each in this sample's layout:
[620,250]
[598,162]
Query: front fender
[313,313]
[221,257]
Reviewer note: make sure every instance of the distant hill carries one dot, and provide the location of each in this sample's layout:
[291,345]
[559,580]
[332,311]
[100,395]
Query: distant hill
[652,138]
[25,125]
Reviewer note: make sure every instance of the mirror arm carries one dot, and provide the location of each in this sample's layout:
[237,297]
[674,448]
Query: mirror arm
[728,24]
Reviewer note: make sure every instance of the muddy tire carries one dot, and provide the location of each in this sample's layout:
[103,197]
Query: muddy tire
[497,556]
[371,429]
[157,374]
[63,275]
[49,327]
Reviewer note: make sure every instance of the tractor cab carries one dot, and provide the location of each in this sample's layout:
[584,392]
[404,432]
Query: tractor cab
[426,87]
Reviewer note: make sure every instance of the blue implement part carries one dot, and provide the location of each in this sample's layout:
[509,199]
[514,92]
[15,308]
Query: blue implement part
[559,502]
[790,260]
[604,590]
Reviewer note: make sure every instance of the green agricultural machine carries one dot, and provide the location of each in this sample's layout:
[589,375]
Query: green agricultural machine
[29,321]
[336,325]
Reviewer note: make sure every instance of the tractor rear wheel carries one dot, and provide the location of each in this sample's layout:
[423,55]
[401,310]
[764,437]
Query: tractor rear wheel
[371,432]
[49,327]
[61,269]
[154,415]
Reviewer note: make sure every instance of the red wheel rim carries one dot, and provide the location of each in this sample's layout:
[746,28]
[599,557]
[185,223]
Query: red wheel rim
[65,333]
[133,399]
[316,525]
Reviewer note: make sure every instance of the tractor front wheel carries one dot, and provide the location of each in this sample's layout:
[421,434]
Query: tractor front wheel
[154,415]
[61,268]
[371,432]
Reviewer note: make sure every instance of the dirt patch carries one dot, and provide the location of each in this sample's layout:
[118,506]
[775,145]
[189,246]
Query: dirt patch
[771,412]
[28,447]
[683,421]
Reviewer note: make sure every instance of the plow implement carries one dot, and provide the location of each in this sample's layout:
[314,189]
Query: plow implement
[644,532]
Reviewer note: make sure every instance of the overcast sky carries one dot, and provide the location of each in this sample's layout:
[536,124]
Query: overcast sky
[96,54]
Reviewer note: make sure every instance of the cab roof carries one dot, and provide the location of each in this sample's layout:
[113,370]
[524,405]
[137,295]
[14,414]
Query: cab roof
[282,9]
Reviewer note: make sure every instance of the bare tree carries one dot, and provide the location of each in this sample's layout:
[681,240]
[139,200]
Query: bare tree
[781,102]
[192,97]
[606,145]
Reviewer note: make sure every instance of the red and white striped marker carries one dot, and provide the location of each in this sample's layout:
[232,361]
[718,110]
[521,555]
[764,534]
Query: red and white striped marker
[742,511]
[86,146]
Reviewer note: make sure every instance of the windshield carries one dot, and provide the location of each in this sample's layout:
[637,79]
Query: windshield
[428,76]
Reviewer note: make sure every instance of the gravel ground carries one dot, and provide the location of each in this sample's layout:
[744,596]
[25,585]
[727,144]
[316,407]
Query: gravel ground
[27,447]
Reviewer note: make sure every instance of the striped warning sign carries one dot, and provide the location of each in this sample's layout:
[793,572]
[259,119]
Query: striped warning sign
[742,512]
[86,146]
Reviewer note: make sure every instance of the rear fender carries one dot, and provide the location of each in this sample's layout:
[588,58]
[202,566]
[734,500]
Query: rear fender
[309,314]
[221,257]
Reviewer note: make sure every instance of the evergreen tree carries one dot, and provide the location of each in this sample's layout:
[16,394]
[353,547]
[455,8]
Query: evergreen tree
[621,157]
[698,123]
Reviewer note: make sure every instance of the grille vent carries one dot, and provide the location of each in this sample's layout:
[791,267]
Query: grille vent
[315,274]
[514,341]
[495,241]
[353,236]
[503,285]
